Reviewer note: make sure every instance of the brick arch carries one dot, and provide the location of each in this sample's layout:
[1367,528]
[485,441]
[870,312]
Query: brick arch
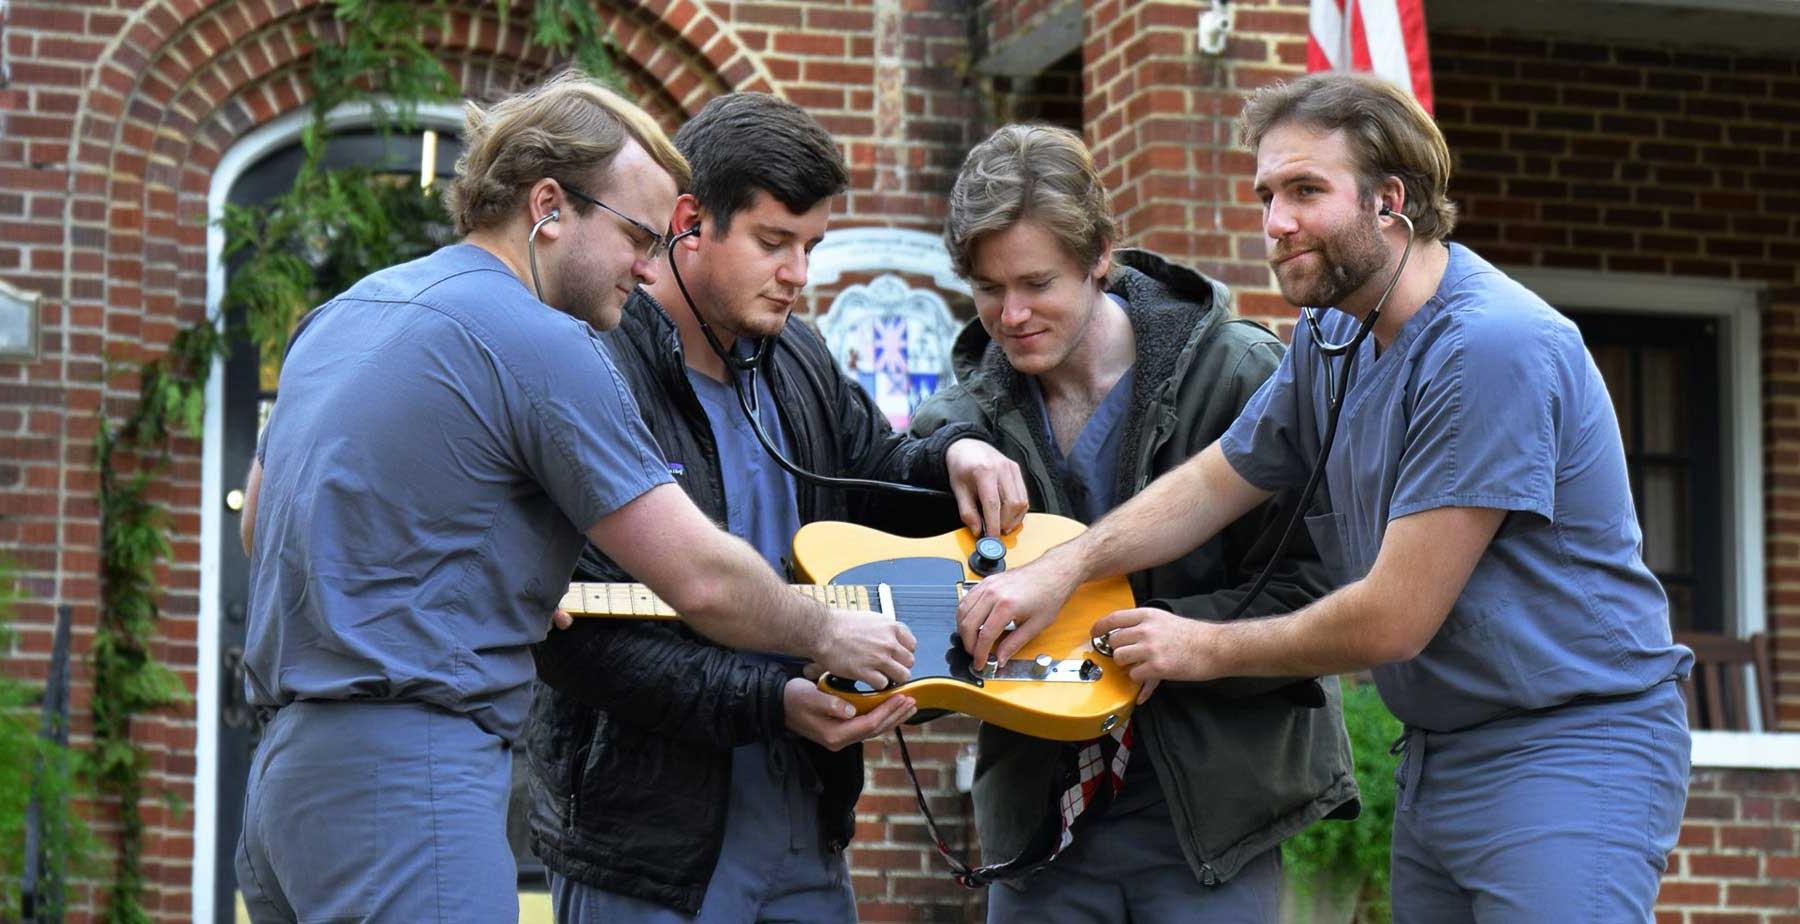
[687,50]
[183,80]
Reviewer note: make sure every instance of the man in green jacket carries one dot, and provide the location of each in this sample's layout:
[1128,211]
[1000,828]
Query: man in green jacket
[1096,371]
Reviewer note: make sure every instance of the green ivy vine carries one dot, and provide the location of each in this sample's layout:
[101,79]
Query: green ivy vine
[329,229]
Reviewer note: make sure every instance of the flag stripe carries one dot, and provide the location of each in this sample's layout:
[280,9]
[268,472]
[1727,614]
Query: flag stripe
[1386,37]
[1387,47]
[1326,34]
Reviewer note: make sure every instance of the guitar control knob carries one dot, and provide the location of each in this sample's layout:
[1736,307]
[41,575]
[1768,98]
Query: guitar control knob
[1040,665]
[989,557]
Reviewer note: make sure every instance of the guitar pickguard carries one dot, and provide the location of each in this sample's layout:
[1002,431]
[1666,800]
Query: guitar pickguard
[924,594]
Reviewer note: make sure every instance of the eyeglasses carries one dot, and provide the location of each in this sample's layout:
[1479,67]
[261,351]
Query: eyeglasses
[659,242]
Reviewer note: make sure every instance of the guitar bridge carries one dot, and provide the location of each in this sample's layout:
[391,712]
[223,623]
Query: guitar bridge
[1045,669]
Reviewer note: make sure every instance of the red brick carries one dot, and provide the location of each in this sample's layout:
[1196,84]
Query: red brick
[1723,866]
[1762,896]
[1688,893]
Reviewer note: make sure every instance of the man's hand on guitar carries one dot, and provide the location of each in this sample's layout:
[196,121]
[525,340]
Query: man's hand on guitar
[1029,598]
[832,723]
[1155,645]
[989,488]
[870,647]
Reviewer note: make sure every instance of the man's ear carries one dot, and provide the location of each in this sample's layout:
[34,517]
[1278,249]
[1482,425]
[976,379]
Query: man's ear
[687,216]
[1103,265]
[1390,196]
[545,200]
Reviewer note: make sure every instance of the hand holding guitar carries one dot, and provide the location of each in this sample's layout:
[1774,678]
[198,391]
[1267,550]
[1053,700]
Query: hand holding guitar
[832,723]
[870,647]
[1155,645]
[1029,598]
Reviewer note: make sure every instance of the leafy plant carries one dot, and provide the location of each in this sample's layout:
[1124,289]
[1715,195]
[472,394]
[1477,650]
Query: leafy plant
[1345,854]
[33,767]
[329,229]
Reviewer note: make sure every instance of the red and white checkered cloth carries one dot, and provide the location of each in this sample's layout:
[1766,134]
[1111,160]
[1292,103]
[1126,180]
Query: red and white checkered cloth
[1099,771]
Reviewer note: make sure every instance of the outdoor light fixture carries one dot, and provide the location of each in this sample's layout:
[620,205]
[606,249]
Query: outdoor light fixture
[428,158]
[1215,27]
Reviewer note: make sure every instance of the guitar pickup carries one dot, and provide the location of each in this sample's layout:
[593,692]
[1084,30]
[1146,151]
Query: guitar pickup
[1045,669]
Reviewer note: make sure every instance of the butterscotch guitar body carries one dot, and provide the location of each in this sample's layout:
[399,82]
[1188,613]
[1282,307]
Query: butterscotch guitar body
[1057,687]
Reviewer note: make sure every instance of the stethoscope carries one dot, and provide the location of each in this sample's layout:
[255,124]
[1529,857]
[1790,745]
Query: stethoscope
[750,402]
[1334,401]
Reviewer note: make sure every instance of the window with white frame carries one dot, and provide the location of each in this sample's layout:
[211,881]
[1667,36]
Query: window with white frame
[1682,359]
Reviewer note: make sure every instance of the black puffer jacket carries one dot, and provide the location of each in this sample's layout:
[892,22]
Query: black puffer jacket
[634,722]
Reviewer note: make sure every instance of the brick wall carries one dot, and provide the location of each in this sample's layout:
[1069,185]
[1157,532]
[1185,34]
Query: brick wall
[1647,160]
[1738,860]
[1053,95]
[1161,120]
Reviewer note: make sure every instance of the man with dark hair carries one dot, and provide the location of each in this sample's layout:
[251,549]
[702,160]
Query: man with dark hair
[672,777]
[448,431]
[1478,518]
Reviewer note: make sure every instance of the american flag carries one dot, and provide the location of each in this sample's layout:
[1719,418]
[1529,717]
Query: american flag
[1386,37]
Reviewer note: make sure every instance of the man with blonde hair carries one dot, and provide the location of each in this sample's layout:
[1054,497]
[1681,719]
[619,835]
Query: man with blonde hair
[448,432]
[1477,516]
[1097,369]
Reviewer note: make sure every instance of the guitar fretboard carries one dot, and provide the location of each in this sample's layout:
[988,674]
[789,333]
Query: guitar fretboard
[638,602]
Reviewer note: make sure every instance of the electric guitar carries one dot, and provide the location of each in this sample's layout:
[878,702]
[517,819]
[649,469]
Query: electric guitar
[1057,687]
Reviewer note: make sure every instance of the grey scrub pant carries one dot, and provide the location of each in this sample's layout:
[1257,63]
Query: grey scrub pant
[1564,816]
[363,811]
[1129,867]
[774,865]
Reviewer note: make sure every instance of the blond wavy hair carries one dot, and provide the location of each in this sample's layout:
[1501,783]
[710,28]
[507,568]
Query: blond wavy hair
[568,128]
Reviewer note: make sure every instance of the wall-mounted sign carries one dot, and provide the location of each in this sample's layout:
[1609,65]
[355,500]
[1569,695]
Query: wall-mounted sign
[18,323]
[898,250]
[894,340]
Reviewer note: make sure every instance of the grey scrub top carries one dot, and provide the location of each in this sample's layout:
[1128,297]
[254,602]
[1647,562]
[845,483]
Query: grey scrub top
[441,441]
[1486,398]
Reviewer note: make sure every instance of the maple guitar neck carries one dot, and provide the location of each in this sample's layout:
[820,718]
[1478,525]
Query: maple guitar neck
[636,601]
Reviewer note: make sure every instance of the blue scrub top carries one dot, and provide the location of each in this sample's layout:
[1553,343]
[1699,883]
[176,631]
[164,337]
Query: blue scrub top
[760,496]
[761,500]
[1486,398]
[441,440]
[1089,472]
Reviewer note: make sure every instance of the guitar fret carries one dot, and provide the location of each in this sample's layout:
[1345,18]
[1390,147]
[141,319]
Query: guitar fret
[638,600]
